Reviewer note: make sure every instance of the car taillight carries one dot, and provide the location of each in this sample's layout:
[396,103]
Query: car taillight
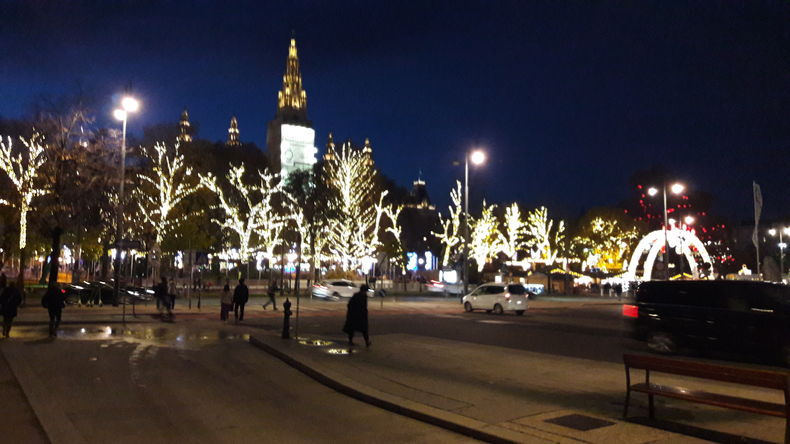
[630,311]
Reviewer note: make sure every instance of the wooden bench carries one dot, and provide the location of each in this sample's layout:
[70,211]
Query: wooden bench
[737,375]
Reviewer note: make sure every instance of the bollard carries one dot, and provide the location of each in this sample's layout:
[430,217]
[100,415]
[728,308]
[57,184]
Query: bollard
[287,319]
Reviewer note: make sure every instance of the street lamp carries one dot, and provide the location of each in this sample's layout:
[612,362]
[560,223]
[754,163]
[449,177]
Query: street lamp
[128,105]
[477,157]
[676,188]
[782,246]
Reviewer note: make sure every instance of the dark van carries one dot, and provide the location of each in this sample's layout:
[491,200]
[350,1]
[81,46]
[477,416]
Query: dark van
[746,318]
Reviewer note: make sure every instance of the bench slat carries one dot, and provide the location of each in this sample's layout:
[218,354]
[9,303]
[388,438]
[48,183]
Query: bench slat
[748,405]
[738,375]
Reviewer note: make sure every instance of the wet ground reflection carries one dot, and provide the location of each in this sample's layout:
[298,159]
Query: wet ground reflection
[167,336]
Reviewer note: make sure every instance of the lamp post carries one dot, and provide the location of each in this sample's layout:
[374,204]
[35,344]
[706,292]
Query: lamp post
[477,157]
[676,188]
[128,105]
[688,220]
[782,246]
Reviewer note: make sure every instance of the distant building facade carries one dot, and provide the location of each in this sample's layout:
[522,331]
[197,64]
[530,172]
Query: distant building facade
[290,137]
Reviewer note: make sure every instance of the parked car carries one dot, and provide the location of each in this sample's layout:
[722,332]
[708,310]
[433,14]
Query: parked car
[747,318]
[336,289]
[87,292]
[498,297]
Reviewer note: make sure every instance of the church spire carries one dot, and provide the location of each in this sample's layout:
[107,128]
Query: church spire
[292,99]
[184,128]
[367,151]
[330,148]
[233,133]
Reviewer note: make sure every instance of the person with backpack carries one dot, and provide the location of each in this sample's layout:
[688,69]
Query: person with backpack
[271,293]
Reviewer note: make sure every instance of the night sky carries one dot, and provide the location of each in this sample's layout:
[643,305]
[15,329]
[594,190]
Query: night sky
[569,98]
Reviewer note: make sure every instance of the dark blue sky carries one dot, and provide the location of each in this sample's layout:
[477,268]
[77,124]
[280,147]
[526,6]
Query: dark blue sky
[568,97]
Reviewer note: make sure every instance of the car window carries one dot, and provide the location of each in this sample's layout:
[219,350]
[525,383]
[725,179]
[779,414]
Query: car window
[339,284]
[495,289]
[516,289]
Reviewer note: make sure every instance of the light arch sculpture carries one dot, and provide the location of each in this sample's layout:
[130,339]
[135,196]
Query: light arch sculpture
[680,240]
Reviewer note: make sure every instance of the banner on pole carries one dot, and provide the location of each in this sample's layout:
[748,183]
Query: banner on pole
[758,208]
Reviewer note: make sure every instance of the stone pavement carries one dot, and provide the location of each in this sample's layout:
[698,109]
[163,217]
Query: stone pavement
[505,395]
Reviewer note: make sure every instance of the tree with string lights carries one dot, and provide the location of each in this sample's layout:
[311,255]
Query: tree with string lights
[511,240]
[543,240]
[355,204]
[449,236]
[22,167]
[248,209]
[162,188]
[485,237]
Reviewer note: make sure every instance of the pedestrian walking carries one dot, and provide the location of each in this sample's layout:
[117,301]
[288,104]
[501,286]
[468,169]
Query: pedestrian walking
[225,302]
[172,293]
[10,299]
[163,299]
[241,294]
[271,293]
[54,300]
[357,316]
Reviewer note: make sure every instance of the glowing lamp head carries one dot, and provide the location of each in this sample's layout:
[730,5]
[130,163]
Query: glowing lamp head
[477,157]
[772,231]
[671,221]
[130,104]
[677,188]
[689,220]
[786,230]
[652,191]
[119,114]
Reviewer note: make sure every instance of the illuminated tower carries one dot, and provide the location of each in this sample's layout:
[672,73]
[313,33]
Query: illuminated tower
[367,150]
[233,133]
[184,128]
[290,137]
[330,148]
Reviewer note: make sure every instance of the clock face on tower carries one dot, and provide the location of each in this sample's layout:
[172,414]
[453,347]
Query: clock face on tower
[297,151]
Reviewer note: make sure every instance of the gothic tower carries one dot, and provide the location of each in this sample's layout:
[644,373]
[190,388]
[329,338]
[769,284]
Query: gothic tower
[233,133]
[290,137]
[184,128]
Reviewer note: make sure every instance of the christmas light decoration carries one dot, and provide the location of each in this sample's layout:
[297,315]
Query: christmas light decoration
[355,208]
[485,236]
[542,240]
[251,216]
[449,236]
[511,241]
[22,169]
[163,187]
[605,243]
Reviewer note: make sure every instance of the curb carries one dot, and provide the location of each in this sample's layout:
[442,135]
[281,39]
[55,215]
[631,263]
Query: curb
[441,418]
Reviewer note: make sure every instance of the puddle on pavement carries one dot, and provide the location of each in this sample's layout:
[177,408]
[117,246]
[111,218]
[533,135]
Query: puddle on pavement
[160,335]
[340,351]
[314,342]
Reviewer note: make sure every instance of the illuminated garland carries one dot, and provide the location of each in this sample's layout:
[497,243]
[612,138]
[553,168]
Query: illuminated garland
[543,242]
[449,236]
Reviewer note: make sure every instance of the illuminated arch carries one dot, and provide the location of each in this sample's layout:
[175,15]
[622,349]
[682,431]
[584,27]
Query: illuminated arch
[652,244]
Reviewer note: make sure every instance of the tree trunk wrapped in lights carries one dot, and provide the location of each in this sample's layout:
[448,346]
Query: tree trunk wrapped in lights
[22,169]
[449,236]
[485,236]
[543,240]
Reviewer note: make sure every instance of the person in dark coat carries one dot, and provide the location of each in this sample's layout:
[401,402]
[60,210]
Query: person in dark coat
[163,298]
[357,316]
[271,293]
[241,294]
[10,299]
[54,300]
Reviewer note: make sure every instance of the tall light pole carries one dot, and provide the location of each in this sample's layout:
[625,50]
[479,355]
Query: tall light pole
[676,188]
[688,220]
[477,157]
[128,105]
[782,247]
